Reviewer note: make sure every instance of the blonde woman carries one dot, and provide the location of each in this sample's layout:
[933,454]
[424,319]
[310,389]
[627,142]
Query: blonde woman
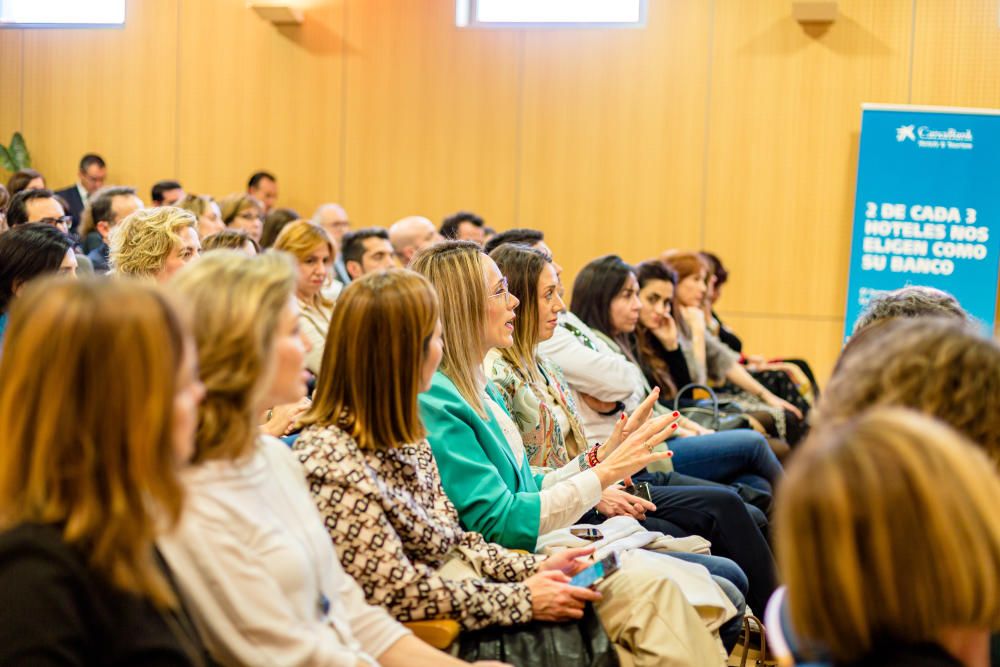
[90,448]
[154,243]
[251,554]
[889,542]
[208,213]
[314,253]
[243,212]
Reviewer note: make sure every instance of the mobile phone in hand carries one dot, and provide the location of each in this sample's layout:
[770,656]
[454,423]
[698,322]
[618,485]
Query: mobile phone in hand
[597,572]
[640,490]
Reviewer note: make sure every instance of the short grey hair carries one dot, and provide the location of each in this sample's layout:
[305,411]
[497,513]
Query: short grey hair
[911,301]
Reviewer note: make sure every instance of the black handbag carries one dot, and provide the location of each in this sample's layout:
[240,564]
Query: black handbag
[714,417]
[540,644]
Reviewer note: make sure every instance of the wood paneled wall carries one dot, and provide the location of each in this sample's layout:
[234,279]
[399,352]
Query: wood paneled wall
[722,124]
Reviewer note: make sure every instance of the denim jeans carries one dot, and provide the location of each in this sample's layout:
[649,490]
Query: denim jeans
[728,457]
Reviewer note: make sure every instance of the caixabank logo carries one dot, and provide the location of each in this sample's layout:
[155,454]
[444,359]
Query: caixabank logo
[926,137]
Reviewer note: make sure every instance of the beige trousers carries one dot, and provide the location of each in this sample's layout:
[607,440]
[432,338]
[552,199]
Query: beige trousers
[645,614]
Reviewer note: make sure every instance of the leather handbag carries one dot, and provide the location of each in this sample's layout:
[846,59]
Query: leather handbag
[714,417]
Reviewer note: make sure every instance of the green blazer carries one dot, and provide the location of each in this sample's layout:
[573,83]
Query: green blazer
[494,495]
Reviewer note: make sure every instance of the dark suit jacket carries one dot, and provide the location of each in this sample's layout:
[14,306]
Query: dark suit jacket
[72,197]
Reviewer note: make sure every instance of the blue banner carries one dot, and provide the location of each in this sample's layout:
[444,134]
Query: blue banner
[927,206]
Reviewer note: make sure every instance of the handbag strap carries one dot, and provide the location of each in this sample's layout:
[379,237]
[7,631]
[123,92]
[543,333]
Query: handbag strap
[762,656]
[711,392]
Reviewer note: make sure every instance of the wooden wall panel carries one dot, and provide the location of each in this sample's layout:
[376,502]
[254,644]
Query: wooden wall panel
[784,123]
[431,114]
[255,96]
[11,71]
[108,90]
[816,340]
[956,59]
[613,138]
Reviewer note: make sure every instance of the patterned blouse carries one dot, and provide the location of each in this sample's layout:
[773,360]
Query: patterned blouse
[532,405]
[394,527]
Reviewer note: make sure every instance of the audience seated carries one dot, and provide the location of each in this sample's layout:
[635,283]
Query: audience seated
[25,179]
[366,250]
[105,209]
[243,213]
[365,447]
[37,206]
[313,251]
[208,213]
[464,226]
[263,186]
[93,171]
[710,361]
[250,554]
[154,243]
[475,443]
[88,484]
[232,240]
[889,542]
[167,193]
[274,222]
[27,252]
[410,235]
[333,218]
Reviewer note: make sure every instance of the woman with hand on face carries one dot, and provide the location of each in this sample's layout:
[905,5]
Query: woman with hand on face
[708,359]
[545,412]
[481,457]
[373,477]
[90,451]
[251,554]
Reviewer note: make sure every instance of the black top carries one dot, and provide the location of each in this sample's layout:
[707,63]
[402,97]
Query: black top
[54,610]
[726,335]
[676,364]
[906,655]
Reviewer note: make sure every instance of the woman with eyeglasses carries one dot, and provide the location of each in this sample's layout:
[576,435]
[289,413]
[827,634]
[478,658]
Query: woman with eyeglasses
[245,213]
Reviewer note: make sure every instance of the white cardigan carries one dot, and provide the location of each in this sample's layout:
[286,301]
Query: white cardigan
[254,562]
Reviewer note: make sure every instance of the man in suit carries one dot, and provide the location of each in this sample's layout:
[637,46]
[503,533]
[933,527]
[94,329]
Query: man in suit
[92,173]
[263,186]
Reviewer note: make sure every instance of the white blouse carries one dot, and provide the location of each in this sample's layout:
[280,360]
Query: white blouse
[566,494]
[256,566]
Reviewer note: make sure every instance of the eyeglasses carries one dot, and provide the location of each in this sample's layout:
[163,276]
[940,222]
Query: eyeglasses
[55,222]
[502,292]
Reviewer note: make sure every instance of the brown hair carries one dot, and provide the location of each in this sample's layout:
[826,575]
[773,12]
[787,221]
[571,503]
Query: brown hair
[941,367]
[685,265]
[236,302]
[87,437]
[274,222]
[230,239]
[455,269]
[371,373]
[886,530]
[300,238]
[648,356]
[523,267]
[19,180]
[235,204]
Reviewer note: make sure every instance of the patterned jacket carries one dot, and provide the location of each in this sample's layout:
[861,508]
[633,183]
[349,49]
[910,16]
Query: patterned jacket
[394,527]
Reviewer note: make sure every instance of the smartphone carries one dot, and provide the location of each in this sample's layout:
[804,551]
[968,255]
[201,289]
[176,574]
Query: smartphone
[640,490]
[597,572]
[591,534]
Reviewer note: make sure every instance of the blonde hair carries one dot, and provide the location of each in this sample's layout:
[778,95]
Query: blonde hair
[371,373]
[455,269]
[941,367]
[233,205]
[300,238]
[887,530]
[141,243]
[236,303]
[87,388]
[196,204]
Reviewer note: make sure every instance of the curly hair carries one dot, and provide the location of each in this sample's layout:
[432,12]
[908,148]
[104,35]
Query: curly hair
[941,367]
[141,243]
[910,301]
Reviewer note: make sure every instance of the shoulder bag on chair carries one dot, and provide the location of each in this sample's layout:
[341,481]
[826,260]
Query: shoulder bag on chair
[712,417]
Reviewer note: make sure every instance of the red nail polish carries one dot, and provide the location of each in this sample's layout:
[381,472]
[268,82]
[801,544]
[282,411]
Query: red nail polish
[673,426]
[676,414]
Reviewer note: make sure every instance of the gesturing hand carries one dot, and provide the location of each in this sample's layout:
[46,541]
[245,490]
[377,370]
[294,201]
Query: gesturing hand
[636,452]
[625,426]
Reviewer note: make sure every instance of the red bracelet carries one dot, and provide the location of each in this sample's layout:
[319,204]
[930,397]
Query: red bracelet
[592,456]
